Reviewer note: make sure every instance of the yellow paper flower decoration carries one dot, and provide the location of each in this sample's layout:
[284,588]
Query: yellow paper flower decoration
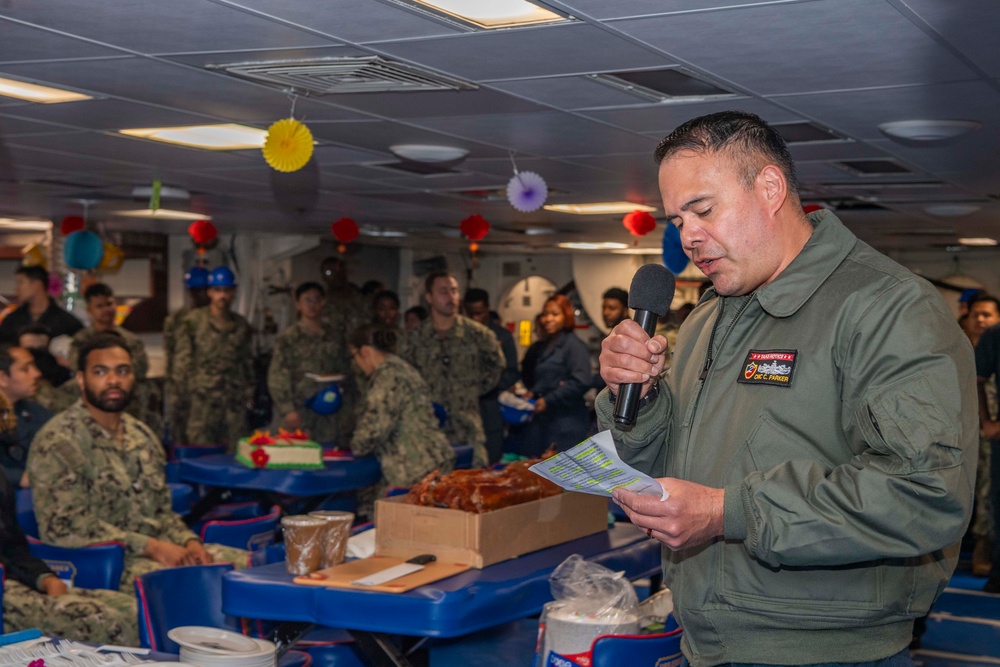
[288,146]
[112,260]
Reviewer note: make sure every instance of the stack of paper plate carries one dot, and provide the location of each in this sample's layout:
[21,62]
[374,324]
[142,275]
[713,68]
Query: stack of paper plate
[213,647]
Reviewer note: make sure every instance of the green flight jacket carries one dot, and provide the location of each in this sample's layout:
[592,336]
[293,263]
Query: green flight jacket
[839,413]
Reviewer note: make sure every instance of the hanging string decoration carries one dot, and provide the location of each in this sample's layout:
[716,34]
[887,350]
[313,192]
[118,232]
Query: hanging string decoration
[639,223]
[70,224]
[288,146]
[83,250]
[527,191]
[474,227]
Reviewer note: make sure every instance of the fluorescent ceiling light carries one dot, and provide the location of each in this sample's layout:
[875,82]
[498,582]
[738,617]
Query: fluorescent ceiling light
[224,137]
[428,152]
[163,214]
[25,225]
[42,94]
[599,208]
[594,246]
[538,231]
[490,14]
[979,241]
[638,251]
[166,192]
[928,130]
[951,210]
[382,233]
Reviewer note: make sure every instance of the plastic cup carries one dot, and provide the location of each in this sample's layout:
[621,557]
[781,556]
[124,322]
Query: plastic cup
[304,537]
[338,530]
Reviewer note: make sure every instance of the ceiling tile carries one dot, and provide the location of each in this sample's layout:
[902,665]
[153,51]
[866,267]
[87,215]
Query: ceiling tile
[352,20]
[545,51]
[569,92]
[105,114]
[21,43]
[161,27]
[661,119]
[434,103]
[551,133]
[610,9]
[803,47]
[377,136]
[970,26]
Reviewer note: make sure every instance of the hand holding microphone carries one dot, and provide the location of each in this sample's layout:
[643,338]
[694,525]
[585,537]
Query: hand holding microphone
[631,359]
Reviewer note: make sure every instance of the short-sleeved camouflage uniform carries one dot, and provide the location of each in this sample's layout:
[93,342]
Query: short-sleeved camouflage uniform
[90,487]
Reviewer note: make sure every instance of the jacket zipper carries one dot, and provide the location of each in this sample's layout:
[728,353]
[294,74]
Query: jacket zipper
[709,359]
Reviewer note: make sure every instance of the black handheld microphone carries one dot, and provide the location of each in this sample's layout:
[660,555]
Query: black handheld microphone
[649,296]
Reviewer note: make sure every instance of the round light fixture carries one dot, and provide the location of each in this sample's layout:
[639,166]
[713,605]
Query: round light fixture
[924,131]
[951,210]
[428,153]
[978,241]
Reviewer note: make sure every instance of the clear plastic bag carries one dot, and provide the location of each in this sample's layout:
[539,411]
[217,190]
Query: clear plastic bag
[590,601]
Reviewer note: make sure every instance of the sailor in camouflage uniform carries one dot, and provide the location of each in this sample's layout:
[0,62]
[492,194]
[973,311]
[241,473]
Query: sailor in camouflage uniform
[396,421]
[101,308]
[214,366]
[344,311]
[178,404]
[34,597]
[97,475]
[459,359]
[308,346]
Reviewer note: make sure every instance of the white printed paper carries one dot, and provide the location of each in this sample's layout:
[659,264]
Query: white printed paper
[594,467]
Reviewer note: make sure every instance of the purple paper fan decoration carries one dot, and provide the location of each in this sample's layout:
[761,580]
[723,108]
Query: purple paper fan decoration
[527,191]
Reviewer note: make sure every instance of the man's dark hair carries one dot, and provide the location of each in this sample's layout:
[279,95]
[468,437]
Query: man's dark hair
[618,294]
[34,273]
[419,311]
[379,336]
[101,341]
[979,298]
[386,294]
[431,277]
[35,328]
[312,285]
[745,136]
[476,295]
[96,290]
[371,287]
[6,358]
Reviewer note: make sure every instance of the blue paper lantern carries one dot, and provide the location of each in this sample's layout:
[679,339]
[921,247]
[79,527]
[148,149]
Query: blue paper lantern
[673,253]
[83,250]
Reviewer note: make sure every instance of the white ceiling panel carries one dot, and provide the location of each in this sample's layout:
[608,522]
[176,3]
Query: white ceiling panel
[153,26]
[804,47]
[545,51]
[570,92]
[352,20]
[970,26]
[434,103]
[661,119]
[553,133]
[108,114]
[612,9]
[377,136]
[24,43]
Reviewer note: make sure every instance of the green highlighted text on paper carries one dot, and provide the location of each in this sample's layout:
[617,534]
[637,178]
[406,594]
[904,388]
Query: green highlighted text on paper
[594,467]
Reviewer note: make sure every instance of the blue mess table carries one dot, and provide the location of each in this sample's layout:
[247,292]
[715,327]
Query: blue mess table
[459,605]
[221,471]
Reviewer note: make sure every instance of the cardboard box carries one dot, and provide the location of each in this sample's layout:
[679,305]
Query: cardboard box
[405,530]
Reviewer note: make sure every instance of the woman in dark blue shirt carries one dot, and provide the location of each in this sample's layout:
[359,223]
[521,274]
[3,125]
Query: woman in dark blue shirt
[561,378]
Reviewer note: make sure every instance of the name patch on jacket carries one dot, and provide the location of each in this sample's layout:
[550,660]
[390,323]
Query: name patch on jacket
[769,367]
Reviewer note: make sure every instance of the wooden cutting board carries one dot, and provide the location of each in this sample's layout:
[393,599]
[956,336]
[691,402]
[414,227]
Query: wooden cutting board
[341,576]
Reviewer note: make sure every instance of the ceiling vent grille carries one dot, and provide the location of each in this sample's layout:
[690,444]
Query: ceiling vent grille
[332,76]
[670,85]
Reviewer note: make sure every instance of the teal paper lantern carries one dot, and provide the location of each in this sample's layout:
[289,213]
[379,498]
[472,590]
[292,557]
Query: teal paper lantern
[83,250]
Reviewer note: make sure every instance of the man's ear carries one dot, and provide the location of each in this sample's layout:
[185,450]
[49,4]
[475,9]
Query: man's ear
[773,187]
[79,381]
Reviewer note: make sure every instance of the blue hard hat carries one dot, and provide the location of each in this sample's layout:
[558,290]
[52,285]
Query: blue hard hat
[196,277]
[222,276]
[326,401]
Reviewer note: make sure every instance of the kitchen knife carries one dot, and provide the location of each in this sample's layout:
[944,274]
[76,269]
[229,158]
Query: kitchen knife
[415,564]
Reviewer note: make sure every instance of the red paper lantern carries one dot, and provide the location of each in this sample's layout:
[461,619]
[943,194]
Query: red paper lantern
[809,208]
[474,227]
[639,223]
[70,224]
[202,232]
[345,230]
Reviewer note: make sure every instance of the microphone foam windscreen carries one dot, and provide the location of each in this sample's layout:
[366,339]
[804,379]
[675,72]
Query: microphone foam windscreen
[652,289]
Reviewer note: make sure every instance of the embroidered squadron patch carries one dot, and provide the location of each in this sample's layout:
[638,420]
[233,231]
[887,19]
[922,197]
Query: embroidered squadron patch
[769,367]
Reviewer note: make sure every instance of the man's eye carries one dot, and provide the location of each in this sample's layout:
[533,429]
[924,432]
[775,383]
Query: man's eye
[702,214]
